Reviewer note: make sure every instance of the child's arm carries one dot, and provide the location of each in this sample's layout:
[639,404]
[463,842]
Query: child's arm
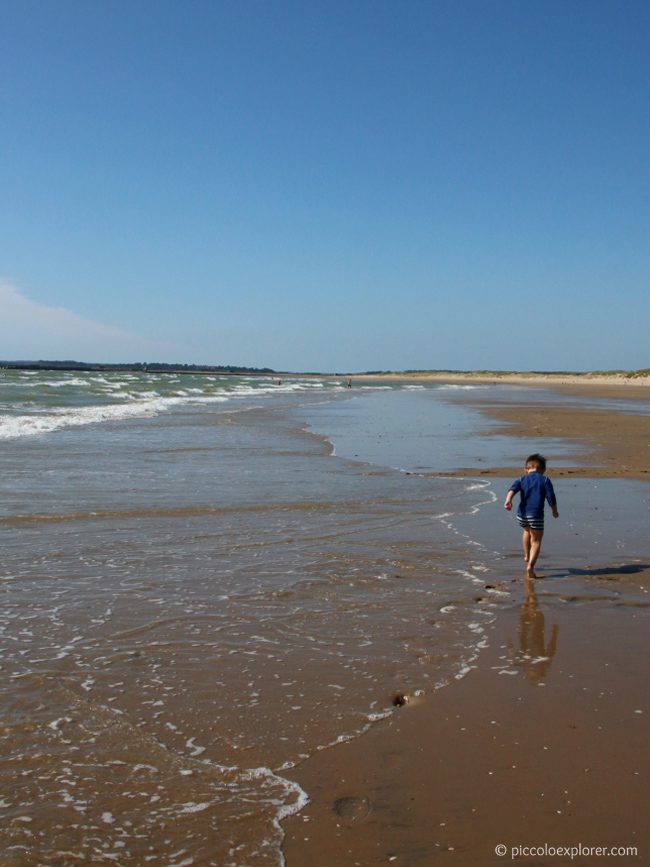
[552,499]
[514,488]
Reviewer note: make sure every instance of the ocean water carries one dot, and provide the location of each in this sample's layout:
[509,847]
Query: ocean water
[207,580]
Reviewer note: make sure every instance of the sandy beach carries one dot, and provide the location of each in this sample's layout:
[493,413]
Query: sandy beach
[215,589]
[542,748]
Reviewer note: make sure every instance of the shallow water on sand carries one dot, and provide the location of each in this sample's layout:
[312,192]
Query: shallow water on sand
[198,597]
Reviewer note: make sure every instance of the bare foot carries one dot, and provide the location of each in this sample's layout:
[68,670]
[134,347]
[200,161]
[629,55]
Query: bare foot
[531,572]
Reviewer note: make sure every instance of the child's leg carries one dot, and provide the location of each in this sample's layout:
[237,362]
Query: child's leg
[525,541]
[535,546]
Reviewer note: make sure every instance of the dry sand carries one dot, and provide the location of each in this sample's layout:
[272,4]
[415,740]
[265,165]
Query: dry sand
[625,382]
[552,753]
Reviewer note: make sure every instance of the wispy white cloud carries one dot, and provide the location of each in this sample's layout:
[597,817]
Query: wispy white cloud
[30,330]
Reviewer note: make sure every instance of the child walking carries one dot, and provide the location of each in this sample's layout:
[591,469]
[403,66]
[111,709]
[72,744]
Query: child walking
[534,489]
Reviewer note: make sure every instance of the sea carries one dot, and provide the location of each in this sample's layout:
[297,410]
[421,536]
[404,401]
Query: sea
[207,579]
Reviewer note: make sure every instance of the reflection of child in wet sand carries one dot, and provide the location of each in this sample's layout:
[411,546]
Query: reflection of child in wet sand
[534,490]
[534,653]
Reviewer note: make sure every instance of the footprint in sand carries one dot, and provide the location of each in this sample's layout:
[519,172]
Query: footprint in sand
[352,808]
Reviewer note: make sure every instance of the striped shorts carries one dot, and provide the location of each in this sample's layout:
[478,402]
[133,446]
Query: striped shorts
[532,523]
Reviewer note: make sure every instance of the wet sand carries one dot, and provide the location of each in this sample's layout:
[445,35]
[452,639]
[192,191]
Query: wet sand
[545,742]
[615,444]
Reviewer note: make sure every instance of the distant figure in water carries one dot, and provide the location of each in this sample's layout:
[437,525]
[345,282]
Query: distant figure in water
[534,489]
[349,383]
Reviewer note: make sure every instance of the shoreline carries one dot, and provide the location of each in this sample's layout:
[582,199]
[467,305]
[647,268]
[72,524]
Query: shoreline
[619,379]
[624,379]
[542,742]
[616,443]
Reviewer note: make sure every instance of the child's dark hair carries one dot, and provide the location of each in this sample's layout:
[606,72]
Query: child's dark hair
[538,461]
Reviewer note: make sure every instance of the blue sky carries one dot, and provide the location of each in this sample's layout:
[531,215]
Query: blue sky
[326,185]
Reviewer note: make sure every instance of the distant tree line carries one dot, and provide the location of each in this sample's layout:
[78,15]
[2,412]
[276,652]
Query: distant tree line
[137,367]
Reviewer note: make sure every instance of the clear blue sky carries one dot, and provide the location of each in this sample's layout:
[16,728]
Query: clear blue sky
[326,185]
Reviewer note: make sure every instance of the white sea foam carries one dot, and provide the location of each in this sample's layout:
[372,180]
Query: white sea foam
[450,386]
[130,396]
[33,425]
[64,383]
[195,808]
